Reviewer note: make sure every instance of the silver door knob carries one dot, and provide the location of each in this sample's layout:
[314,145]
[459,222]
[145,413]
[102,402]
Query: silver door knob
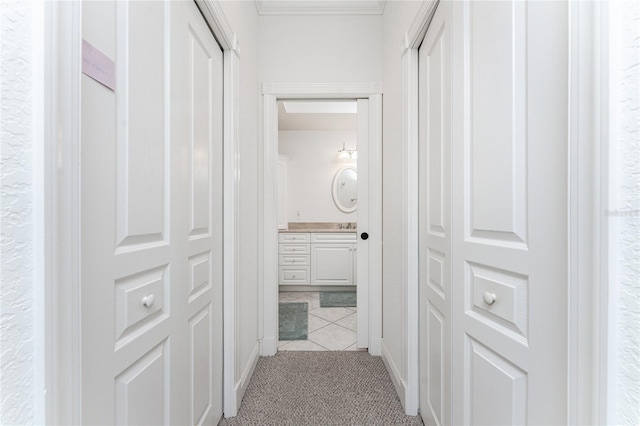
[489,297]
[149,300]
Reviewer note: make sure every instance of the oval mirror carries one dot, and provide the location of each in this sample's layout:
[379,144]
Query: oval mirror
[345,189]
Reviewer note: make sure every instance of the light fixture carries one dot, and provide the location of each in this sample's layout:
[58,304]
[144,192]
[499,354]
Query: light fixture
[347,154]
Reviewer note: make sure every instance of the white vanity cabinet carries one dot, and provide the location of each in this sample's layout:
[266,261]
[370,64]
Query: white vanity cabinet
[317,258]
[333,258]
[293,258]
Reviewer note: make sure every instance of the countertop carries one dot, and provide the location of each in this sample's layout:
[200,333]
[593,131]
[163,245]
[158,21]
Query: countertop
[304,227]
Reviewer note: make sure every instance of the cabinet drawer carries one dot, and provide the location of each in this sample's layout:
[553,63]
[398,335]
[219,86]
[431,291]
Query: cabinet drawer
[293,237]
[294,249]
[294,275]
[294,260]
[333,237]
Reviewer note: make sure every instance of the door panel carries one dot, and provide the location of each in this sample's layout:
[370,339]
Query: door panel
[435,219]
[506,402]
[144,384]
[497,144]
[362,250]
[509,168]
[141,113]
[151,208]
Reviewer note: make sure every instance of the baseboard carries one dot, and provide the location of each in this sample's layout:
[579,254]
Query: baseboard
[268,347]
[394,373]
[241,387]
[375,346]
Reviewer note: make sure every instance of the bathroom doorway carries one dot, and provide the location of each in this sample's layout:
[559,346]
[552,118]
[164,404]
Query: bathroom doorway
[305,252]
[317,208]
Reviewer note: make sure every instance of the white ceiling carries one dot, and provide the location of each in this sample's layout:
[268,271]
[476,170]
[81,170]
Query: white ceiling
[320,7]
[315,121]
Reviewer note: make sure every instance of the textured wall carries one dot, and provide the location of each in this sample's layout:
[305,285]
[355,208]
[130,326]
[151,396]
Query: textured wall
[16,210]
[624,214]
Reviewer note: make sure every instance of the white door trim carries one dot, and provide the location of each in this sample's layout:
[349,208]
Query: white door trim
[62,192]
[410,44]
[267,231]
[588,171]
[62,221]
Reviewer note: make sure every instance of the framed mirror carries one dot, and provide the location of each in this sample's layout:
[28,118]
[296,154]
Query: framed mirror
[345,189]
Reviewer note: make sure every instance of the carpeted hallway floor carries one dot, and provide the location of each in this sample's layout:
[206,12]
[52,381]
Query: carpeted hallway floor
[321,388]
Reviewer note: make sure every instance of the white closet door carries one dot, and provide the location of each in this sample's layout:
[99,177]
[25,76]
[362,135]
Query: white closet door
[509,156]
[151,199]
[435,218]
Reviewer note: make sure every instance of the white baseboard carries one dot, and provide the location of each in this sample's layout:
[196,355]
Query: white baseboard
[394,373]
[269,347]
[375,346]
[241,387]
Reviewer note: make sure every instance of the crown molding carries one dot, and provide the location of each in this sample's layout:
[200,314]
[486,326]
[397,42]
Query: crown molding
[320,7]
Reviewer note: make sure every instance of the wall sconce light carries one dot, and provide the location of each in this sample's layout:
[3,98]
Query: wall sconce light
[347,154]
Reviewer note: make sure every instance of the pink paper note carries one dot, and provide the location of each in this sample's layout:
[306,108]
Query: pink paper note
[98,66]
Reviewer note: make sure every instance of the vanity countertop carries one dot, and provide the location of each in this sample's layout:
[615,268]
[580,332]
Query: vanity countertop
[303,227]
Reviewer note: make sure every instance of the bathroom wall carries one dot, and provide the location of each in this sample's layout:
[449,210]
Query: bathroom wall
[313,162]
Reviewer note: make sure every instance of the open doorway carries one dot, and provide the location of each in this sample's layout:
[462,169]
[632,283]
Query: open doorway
[317,210]
[362,234]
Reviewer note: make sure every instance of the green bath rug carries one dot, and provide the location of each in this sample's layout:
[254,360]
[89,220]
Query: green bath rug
[293,319]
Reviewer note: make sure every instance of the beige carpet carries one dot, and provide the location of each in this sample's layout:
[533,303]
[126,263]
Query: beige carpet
[321,388]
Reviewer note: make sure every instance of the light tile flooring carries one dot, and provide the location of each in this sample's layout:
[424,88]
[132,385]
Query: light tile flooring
[330,329]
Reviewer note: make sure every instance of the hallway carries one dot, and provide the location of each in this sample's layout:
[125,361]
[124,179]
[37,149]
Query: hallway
[321,388]
[144,198]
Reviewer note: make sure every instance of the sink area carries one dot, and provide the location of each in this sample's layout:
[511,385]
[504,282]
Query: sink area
[321,227]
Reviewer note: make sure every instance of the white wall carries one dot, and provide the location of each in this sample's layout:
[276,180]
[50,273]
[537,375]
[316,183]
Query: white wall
[21,185]
[320,49]
[398,16]
[243,19]
[313,162]
[624,212]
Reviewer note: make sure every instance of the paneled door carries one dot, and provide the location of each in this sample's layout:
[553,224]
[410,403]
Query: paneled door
[435,218]
[151,217]
[509,222]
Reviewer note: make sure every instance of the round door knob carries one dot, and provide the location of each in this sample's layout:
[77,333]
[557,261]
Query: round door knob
[364,236]
[149,300]
[489,297]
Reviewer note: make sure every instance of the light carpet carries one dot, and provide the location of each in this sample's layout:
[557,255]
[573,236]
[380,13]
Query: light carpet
[321,388]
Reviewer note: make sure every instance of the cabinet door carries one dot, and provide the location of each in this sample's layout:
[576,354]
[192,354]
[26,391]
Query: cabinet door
[332,264]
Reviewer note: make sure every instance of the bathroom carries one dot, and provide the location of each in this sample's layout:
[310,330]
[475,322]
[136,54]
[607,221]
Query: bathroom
[317,191]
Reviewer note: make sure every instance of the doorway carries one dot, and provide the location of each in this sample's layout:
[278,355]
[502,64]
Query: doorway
[317,212]
[368,250]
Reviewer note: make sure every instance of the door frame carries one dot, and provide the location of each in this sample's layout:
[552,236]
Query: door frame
[588,168]
[267,228]
[62,253]
[410,45]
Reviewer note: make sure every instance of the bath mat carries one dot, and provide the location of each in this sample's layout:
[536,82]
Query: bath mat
[330,299]
[293,319]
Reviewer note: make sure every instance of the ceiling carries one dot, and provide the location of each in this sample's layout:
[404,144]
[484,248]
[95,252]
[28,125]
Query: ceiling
[315,121]
[320,7]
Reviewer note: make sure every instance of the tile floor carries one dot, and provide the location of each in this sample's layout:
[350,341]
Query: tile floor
[330,329]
